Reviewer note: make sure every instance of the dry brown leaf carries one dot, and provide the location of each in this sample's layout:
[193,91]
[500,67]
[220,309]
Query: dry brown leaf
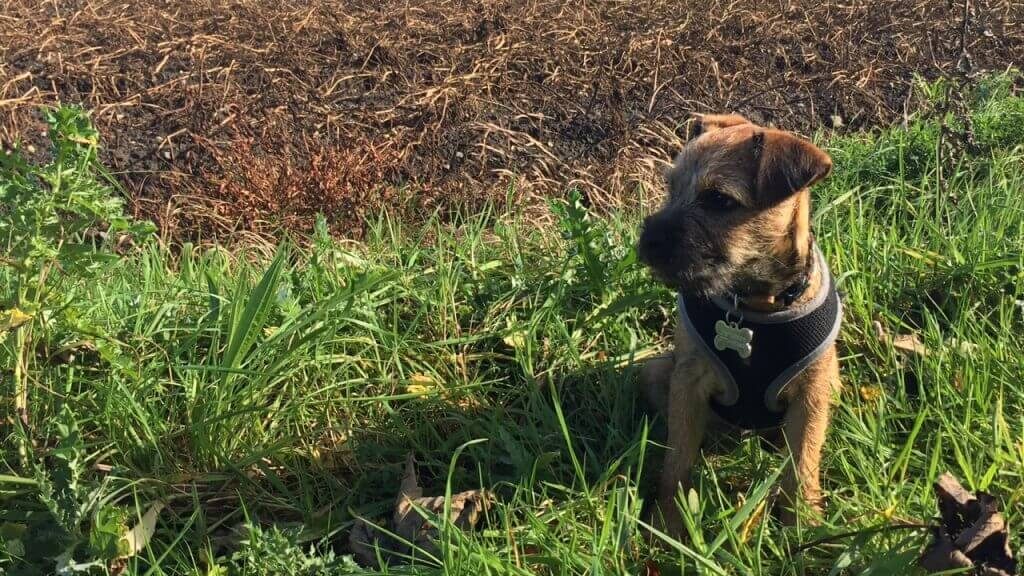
[973,533]
[910,344]
[880,332]
[411,521]
[944,556]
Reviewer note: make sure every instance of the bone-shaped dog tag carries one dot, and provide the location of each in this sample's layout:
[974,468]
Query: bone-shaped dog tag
[732,337]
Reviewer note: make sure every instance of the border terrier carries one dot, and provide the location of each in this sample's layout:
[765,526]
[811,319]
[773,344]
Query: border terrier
[758,309]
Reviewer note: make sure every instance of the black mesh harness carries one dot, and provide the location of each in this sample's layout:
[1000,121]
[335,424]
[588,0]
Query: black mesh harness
[784,344]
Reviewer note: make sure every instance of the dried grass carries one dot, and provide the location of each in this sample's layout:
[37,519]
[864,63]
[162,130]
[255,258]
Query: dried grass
[255,115]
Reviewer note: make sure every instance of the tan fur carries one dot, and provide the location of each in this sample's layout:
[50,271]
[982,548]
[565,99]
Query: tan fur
[776,222]
[707,122]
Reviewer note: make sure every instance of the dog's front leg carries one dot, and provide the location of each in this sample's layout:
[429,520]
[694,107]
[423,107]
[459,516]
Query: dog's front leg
[688,411]
[806,422]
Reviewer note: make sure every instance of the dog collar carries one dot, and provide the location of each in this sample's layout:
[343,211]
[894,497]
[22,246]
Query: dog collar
[757,354]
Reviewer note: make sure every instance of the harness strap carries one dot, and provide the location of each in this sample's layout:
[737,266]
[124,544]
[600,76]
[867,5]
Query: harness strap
[784,344]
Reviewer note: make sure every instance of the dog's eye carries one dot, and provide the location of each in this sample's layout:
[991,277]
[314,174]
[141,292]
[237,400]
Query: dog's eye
[718,202]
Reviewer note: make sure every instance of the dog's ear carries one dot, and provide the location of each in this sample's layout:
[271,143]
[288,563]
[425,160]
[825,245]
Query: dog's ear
[702,123]
[786,164]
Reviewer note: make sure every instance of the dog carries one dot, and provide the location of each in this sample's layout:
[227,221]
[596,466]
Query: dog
[759,312]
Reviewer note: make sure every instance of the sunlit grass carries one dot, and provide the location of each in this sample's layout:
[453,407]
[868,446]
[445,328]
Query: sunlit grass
[282,387]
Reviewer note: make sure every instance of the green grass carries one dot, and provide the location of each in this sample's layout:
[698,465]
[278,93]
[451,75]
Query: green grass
[282,387]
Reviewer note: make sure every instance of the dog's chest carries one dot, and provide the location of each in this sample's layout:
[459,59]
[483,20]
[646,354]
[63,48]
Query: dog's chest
[694,368]
[750,385]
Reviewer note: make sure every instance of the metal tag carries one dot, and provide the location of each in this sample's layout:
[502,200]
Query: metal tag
[730,336]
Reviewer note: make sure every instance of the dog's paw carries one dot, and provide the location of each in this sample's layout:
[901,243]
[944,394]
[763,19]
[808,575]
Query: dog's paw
[665,518]
[809,515]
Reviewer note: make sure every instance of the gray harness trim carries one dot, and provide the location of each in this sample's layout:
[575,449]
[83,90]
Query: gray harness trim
[730,395]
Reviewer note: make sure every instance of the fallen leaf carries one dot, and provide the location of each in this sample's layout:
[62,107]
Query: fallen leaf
[973,533]
[753,520]
[870,393]
[944,556]
[412,521]
[138,537]
[954,501]
[13,318]
[515,340]
[910,344]
[985,527]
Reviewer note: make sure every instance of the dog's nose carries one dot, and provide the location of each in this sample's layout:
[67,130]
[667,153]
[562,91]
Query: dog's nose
[656,241]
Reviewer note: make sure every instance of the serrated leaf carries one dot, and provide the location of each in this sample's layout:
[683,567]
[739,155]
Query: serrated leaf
[59,479]
[108,525]
[15,547]
[12,530]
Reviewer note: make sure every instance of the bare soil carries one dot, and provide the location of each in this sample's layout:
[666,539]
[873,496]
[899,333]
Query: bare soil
[227,116]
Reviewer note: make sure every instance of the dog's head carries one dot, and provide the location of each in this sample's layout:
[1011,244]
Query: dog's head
[737,216]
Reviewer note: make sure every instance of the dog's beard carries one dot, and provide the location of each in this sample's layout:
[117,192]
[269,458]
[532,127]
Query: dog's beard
[755,276]
[697,282]
[763,276]
[704,270]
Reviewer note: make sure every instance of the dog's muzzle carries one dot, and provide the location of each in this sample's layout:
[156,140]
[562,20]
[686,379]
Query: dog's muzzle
[659,244]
